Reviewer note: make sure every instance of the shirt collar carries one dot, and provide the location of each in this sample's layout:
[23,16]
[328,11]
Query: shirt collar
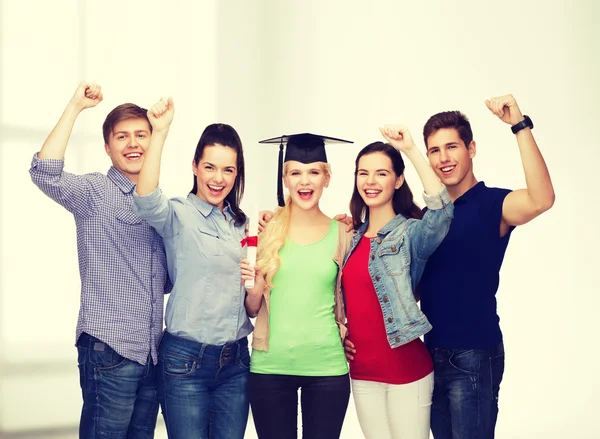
[389,226]
[122,182]
[206,208]
[471,193]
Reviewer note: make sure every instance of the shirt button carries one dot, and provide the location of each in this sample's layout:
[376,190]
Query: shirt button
[385,299]
[377,278]
[372,257]
[397,338]
[390,319]
[378,240]
[393,248]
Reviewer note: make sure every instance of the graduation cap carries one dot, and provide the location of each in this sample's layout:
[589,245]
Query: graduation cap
[303,148]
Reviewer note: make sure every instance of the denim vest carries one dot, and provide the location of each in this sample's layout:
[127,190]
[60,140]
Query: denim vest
[396,263]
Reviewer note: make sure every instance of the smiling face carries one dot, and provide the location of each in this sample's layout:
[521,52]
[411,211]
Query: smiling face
[450,158]
[127,145]
[305,182]
[376,180]
[215,173]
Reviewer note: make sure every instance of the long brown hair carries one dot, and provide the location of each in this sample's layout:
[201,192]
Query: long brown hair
[402,201]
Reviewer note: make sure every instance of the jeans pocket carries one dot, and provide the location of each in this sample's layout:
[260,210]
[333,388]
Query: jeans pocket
[467,361]
[81,360]
[103,357]
[244,359]
[176,366]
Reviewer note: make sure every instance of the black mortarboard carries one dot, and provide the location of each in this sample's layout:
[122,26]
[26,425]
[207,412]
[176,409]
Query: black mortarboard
[304,148]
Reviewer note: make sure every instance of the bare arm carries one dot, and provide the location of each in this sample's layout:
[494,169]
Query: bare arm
[400,138]
[523,205]
[87,95]
[160,116]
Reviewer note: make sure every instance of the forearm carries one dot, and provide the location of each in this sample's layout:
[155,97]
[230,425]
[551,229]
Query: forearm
[431,183]
[56,144]
[150,172]
[537,177]
[253,303]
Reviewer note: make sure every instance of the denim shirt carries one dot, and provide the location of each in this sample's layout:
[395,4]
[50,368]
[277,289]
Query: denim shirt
[396,263]
[203,257]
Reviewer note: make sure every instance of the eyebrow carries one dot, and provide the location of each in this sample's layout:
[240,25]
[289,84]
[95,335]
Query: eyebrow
[126,132]
[376,170]
[215,166]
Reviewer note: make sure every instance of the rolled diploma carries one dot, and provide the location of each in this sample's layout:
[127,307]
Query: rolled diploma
[252,231]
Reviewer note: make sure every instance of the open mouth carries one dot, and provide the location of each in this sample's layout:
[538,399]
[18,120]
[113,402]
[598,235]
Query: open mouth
[305,194]
[215,191]
[447,170]
[372,193]
[133,156]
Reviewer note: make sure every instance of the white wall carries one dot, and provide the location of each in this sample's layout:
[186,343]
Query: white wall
[339,68]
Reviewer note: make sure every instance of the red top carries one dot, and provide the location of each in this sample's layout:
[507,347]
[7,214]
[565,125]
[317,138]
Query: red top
[375,360]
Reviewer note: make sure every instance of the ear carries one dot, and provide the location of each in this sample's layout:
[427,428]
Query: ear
[399,182]
[194,167]
[472,149]
[327,180]
[107,148]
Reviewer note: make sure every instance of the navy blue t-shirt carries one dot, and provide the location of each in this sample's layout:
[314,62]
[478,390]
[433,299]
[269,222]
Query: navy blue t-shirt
[459,285]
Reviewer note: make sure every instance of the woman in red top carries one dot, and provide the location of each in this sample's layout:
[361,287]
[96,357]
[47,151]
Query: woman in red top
[392,387]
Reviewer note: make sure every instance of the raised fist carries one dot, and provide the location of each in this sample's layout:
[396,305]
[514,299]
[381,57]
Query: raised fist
[87,95]
[398,136]
[161,114]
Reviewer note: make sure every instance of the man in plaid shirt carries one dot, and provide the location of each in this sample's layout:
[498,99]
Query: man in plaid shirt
[122,265]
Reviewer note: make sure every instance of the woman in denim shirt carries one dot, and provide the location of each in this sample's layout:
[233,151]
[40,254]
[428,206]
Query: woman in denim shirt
[391,370]
[203,363]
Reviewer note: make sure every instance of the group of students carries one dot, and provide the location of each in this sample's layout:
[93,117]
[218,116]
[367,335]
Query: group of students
[324,296]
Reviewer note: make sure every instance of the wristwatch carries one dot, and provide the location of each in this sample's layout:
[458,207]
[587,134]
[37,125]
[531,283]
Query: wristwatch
[525,123]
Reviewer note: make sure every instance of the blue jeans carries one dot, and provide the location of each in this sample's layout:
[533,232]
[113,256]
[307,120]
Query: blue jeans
[119,395]
[465,392]
[203,389]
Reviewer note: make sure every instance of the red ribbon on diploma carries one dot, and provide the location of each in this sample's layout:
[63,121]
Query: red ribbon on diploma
[251,241]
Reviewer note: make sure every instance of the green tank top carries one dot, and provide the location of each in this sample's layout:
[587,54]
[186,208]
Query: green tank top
[303,336]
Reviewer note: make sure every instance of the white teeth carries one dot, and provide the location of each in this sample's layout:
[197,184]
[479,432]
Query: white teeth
[371,191]
[447,168]
[134,155]
[216,188]
[305,192]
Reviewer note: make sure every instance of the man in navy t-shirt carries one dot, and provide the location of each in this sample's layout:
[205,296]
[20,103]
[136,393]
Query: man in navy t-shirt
[461,278]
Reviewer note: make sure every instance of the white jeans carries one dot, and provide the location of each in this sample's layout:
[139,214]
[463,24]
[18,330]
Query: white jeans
[390,411]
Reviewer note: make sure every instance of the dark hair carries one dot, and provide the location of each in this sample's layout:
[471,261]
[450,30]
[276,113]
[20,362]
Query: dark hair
[402,201]
[226,135]
[123,112]
[449,119]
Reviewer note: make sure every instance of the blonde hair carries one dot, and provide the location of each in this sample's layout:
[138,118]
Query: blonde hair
[272,238]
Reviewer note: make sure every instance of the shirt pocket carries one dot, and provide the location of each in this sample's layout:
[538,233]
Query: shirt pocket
[199,242]
[394,255]
[132,227]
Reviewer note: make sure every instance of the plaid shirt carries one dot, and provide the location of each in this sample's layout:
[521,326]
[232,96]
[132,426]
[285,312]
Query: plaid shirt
[122,262]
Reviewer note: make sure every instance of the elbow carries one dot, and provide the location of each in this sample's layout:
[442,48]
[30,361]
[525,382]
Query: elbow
[547,203]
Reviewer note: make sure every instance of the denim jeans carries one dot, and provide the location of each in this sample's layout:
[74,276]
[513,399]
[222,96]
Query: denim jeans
[119,395]
[465,393]
[203,389]
[274,401]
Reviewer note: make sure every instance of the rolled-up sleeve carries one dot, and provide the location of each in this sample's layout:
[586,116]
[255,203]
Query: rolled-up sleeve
[429,232]
[75,193]
[157,210]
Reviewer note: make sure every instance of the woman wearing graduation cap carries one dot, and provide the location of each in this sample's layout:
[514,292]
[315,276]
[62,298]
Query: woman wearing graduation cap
[391,369]
[203,358]
[297,342]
